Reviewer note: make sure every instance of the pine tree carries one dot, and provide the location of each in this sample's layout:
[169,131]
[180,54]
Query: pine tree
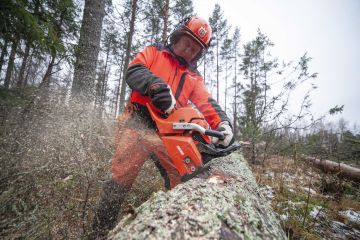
[235,49]
[220,28]
[182,9]
[154,21]
[262,111]
[130,33]
[225,54]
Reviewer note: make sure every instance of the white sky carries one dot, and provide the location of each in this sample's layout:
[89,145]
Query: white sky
[329,30]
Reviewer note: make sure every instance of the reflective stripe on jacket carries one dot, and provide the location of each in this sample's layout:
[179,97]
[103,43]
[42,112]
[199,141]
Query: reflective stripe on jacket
[157,64]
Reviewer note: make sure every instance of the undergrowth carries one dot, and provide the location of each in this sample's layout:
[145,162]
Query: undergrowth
[54,158]
[305,199]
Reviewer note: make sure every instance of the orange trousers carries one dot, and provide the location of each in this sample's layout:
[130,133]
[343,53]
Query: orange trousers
[135,144]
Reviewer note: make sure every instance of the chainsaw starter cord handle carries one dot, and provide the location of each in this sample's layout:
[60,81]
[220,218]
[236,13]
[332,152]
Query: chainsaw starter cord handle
[216,134]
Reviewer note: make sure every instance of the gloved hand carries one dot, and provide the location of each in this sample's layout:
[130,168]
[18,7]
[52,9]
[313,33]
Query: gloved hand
[228,132]
[162,97]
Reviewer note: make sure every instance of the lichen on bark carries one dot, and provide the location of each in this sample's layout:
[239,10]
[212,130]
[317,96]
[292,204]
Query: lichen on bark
[221,203]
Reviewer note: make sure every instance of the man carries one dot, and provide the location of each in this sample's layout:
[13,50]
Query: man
[166,77]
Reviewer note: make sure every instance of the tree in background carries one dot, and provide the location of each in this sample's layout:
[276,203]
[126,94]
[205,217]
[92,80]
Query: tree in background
[331,142]
[181,10]
[108,46]
[264,110]
[237,86]
[18,20]
[226,55]
[88,50]
[37,26]
[129,39]
[62,15]
[219,27]
[160,18]
[166,16]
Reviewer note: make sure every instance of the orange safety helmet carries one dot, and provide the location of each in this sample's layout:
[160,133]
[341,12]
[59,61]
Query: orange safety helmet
[197,28]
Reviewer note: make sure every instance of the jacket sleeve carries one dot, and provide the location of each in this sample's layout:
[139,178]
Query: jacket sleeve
[138,76]
[207,105]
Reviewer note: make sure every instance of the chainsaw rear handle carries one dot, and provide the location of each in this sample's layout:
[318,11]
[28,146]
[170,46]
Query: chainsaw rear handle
[216,134]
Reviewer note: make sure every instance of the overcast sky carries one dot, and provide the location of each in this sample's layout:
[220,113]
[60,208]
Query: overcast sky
[329,30]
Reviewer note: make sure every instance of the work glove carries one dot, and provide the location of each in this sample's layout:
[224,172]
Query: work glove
[226,129]
[162,97]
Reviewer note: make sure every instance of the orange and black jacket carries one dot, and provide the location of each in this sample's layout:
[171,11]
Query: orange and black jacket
[157,64]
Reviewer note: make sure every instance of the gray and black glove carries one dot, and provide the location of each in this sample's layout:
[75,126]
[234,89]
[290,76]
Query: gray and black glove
[162,97]
[229,139]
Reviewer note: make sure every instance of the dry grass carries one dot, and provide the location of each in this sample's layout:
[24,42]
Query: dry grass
[54,159]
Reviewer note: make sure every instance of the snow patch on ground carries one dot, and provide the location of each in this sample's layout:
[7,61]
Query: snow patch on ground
[351,215]
[306,189]
[343,231]
[268,192]
[316,211]
[270,174]
[287,177]
[284,217]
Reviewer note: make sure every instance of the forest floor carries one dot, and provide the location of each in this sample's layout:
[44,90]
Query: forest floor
[310,204]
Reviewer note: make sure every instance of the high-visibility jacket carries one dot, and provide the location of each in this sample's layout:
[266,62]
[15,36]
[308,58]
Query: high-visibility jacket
[157,64]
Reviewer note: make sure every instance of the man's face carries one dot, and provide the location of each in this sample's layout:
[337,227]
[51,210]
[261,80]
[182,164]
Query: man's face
[187,48]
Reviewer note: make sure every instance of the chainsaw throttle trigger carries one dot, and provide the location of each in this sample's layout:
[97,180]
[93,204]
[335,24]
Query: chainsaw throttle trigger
[213,133]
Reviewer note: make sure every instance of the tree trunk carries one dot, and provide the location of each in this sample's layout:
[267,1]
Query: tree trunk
[45,83]
[226,75]
[104,84]
[3,53]
[88,51]
[166,21]
[21,82]
[127,55]
[118,89]
[11,62]
[204,74]
[342,170]
[235,104]
[224,203]
[217,71]
[28,71]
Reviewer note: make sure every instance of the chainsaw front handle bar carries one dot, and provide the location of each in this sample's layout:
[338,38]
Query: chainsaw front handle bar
[196,127]
[216,134]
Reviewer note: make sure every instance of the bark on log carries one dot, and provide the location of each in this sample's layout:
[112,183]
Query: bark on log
[223,203]
[342,170]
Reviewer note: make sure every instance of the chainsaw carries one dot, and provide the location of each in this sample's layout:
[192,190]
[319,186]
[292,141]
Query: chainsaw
[187,138]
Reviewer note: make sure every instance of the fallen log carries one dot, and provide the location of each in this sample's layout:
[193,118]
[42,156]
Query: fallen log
[223,203]
[342,170]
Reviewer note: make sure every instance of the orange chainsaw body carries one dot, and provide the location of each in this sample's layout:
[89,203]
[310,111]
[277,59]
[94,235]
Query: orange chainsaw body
[180,145]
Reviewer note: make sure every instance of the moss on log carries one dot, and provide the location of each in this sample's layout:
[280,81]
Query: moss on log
[223,203]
